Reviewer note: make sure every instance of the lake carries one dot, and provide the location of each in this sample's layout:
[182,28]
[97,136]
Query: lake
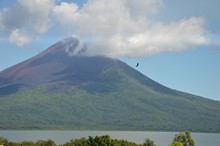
[60,137]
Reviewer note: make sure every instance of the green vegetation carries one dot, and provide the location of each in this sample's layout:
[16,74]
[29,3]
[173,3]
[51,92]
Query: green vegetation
[5,142]
[123,109]
[149,142]
[183,140]
[179,140]
[116,98]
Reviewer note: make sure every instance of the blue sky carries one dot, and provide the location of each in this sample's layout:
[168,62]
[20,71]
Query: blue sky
[177,43]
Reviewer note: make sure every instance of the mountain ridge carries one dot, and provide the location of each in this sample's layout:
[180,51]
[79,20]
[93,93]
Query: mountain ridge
[59,90]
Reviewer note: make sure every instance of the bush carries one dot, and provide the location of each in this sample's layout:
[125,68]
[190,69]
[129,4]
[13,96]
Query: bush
[3,141]
[182,139]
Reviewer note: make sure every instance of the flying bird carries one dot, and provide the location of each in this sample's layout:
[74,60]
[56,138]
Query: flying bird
[137,65]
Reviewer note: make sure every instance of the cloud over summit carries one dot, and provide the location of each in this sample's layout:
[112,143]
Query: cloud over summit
[113,28]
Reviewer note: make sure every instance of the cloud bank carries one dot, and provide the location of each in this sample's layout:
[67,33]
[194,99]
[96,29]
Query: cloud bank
[112,28]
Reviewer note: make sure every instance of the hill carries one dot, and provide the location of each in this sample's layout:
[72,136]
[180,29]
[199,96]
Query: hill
[55,90]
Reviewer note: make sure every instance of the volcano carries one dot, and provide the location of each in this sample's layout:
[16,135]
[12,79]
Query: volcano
[61,88]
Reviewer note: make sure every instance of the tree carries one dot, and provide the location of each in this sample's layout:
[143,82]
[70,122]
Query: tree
[190,141]
[48,142]
[149,142]
[184,139]
[3,141]
[176,144]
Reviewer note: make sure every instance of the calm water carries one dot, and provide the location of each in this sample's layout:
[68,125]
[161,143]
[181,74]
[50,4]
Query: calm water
[60,137]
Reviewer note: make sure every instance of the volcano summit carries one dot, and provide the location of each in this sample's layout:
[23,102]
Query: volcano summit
[61,88]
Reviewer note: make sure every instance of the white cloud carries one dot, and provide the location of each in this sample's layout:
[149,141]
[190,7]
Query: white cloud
[31,16]
[66,13]
[122,27]
[181,35]
[144,7]
[109,27]
[19,37]
[37,12]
